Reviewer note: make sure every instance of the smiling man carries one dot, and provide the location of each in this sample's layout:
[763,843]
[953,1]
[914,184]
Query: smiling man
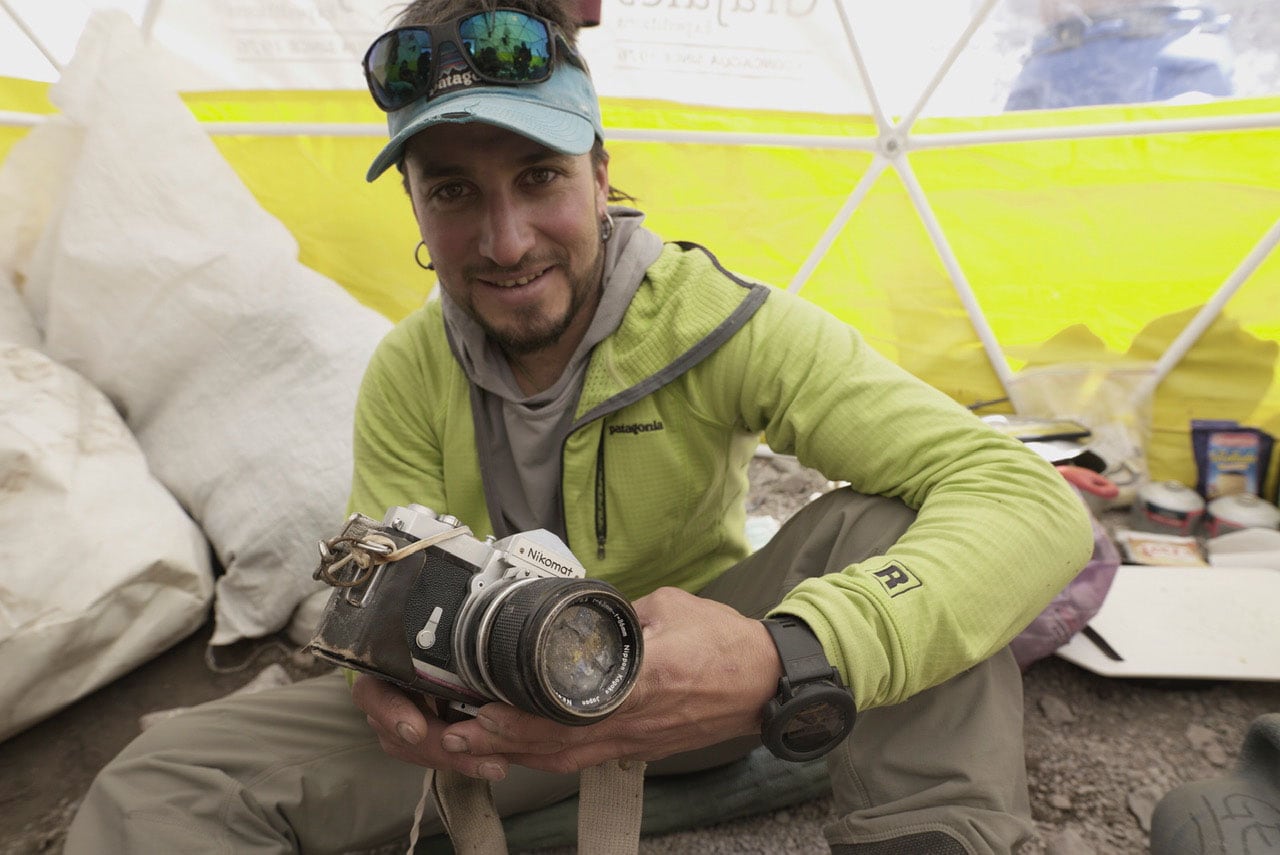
[513,229]
[580,375]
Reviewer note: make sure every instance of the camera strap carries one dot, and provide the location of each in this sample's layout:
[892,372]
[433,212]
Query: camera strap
[466,810]
[610,806]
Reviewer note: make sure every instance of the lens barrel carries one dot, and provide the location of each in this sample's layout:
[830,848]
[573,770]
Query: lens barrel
[566,649]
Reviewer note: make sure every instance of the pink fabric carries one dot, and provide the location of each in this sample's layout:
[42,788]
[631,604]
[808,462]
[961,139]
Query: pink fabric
[1073,607]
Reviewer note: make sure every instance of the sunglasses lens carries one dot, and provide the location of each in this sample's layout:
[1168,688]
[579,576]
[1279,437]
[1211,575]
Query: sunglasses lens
[398,67]
[507,45]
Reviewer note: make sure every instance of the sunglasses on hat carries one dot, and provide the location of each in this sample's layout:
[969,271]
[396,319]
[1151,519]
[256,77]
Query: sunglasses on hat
[506,47]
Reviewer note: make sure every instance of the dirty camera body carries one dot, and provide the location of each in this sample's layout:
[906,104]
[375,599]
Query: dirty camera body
[421,602]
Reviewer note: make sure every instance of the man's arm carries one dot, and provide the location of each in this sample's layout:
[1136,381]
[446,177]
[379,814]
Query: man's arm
[397,459]
[998,531]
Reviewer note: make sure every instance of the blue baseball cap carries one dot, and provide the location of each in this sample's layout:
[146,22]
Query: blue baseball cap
[562,113]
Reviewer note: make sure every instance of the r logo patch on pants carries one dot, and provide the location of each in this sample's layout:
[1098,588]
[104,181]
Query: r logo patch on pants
[896,579]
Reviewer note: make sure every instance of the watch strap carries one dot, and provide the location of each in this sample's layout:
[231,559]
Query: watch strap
[812,712]
[803,658]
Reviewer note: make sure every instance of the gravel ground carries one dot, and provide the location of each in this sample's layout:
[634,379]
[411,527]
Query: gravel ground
[1100,751]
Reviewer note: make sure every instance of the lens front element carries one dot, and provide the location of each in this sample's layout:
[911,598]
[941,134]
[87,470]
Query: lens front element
[567,649]
[580,659]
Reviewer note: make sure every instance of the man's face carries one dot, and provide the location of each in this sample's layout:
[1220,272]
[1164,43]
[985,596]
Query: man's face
[513,229]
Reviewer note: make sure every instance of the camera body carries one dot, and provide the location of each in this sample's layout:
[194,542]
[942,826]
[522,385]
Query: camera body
[471,621]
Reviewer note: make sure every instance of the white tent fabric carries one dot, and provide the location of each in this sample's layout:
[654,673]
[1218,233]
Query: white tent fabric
[849,57]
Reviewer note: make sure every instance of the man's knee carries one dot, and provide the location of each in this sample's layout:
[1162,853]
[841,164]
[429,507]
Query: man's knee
[943,772]
[267,772]
[156,781]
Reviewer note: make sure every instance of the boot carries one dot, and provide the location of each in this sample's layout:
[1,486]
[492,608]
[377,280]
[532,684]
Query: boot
[1238,814]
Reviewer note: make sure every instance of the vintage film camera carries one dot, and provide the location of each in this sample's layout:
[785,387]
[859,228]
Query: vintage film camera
[420,602]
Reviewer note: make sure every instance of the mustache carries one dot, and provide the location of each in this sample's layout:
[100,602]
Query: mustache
[523,268]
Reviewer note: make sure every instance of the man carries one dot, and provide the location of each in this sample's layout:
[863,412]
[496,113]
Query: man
[578,374]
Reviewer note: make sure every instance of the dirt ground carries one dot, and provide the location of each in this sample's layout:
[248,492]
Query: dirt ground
[1100,751]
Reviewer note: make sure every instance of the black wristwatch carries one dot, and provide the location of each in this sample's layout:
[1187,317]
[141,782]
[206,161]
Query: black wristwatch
[813,712]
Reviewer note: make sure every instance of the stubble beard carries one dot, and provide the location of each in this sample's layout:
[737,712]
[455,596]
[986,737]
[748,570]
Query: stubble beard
[531,331]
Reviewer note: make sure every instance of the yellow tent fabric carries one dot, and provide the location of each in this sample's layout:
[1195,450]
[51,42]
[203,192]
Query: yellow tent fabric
[1087,250]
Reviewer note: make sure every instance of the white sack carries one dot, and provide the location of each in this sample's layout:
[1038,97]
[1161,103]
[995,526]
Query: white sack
[162,280]
[100,568]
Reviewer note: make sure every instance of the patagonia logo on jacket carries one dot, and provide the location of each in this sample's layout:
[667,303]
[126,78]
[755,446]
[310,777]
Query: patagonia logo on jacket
[636,427]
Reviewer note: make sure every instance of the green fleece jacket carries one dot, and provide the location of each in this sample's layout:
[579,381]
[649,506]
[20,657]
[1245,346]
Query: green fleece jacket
[654,469]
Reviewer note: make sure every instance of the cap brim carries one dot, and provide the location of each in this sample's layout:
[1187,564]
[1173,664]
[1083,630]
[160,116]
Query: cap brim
[562,113]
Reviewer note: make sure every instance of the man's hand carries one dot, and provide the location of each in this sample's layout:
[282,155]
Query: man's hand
[705,678]
[409,730]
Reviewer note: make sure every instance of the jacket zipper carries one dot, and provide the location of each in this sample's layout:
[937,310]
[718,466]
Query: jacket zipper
[734,322]
[602,518]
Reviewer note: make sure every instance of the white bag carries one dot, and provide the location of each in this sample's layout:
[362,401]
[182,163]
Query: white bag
[161,279]
[100,568]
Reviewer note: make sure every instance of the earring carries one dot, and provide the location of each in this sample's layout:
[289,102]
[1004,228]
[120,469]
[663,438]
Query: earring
[606,227]
[418,258]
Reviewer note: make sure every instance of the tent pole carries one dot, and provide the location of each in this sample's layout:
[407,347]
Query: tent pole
[916,141]
[882,122]
[905,124]
[901,162]
[851,204]
[31,36]
[149,15]
[728,138]
[10,119]
[291,129]
[1206,316]
[1102,129]
[958,280]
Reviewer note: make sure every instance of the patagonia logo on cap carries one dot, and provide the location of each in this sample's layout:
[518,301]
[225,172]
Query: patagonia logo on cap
[453,72]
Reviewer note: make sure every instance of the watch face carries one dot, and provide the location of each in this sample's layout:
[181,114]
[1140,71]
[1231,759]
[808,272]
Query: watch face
[814,727]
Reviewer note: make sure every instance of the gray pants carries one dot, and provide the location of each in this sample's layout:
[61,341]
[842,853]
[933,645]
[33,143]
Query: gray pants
[297,769]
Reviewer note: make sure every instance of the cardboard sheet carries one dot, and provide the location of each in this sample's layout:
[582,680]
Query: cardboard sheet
[1186,622]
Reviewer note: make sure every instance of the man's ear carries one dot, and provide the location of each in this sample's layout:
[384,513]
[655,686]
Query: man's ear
[602,187]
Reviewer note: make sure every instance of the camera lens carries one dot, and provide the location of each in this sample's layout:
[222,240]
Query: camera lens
[567,649]
[581,654]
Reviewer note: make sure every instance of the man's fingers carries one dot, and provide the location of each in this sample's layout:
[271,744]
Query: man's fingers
[500,729]
[408,730]
[390,709]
